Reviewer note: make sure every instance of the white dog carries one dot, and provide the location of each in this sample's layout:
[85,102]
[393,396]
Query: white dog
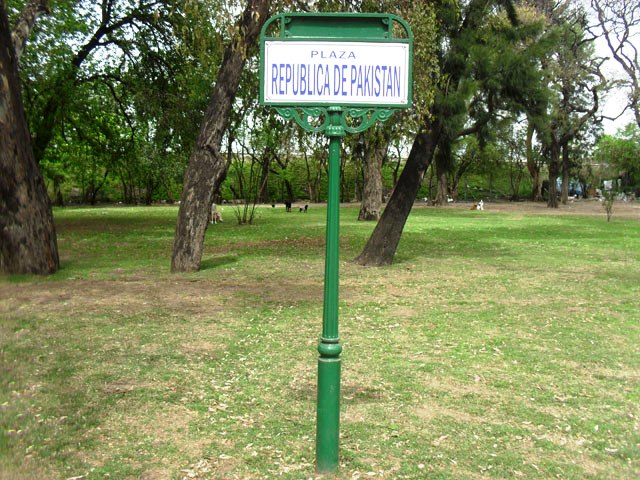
[215,215]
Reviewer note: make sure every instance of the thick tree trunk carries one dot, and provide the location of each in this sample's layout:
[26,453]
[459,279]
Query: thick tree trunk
[27,234]
[207,163]
[382,245]
[372,189]
[443,187]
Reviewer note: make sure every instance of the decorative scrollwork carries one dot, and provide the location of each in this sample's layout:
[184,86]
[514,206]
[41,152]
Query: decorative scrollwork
[318,119]
[366,117]
[312,119]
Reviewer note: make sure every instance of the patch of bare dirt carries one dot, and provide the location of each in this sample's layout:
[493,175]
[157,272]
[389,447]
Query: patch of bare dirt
[429,413]
[26,471]
[626,210]
[94,296]
[175,296]
[168,425]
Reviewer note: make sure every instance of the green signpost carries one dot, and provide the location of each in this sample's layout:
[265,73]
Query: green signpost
[334,74]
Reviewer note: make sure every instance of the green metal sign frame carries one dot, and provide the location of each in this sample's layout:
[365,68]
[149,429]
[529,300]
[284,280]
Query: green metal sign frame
[335,119]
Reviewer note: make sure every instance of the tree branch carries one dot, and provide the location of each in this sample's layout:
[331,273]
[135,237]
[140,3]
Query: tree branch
[25,23]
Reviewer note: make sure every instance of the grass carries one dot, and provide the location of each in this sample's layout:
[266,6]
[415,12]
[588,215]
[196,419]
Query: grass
[499,345]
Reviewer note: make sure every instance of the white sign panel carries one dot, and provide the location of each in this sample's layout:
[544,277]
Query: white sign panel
[339,73]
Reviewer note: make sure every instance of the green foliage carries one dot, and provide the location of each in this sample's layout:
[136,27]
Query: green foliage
[572,76]
[147,68]
[622,153]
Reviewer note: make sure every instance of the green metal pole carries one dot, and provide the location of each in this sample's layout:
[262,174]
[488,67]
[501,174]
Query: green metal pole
[328,419]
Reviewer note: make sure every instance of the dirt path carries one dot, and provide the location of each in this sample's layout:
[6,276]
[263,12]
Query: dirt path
[627,210]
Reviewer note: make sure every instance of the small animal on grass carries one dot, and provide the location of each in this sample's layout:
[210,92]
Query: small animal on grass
[304,209]
[478,206]
[287,205]
[215,215]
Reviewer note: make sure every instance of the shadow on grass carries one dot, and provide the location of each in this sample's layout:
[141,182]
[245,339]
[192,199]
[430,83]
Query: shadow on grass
[216,262]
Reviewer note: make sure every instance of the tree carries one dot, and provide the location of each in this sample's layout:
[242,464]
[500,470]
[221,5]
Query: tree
[620,22]
[28,242]
[463,38]
[535,161]
[110,25]
[207,165]
[384,240]
[622,153]
[372,146]
[146,64]
[575,80]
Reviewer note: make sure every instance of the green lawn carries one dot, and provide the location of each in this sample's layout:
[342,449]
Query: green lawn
[499,345]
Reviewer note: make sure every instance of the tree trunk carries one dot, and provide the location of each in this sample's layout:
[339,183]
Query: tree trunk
[396,168]
[554,170]
[382,245]
[372,188]
[59,199]
[289,188]
[532,166]
[311,184]
[430,196]
[441,175]
[27,235]
[463,166]
[150,190]
[263,194]
[207,163]
[564,192]
[26,20]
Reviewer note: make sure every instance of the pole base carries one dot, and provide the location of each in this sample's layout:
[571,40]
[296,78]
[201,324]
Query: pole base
[328,419]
